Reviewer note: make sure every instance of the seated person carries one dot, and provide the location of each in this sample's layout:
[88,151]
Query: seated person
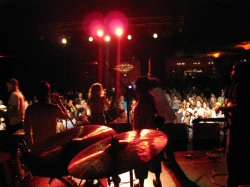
[115,114]
[83,118]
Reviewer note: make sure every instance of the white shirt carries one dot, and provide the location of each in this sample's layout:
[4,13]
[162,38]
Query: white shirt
[162,105]
[16,108]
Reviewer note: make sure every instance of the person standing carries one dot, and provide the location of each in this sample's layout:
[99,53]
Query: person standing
[16,106]
[97,103]
[163,109]
[144,114]
[175,103]
[237,112]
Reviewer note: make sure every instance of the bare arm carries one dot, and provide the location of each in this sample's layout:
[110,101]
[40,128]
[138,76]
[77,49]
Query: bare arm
[57,99]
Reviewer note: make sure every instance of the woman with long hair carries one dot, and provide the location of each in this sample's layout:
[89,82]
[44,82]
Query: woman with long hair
[98,103]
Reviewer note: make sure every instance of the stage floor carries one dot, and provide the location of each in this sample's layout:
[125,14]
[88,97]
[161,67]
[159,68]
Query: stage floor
[192,169]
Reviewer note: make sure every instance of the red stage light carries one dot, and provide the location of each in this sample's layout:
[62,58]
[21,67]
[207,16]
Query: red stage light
[116,20]
[119,31]
[100,32]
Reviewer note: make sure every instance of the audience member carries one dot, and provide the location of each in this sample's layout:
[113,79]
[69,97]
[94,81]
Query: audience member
[221,98]
[123,102]
[72,108]
[83,118]
[188,120]
[179,114]
[3,109]
[176,93]
[175,103]
[78,103]
[115,114]
[199,108]
[212,100]
[70,122]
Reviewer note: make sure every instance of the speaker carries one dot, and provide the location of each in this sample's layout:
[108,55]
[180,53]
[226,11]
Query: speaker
[206,135]
[178,135]
[177,131]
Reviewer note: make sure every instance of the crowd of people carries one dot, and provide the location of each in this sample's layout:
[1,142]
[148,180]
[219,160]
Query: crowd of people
[80,108]
[102,107]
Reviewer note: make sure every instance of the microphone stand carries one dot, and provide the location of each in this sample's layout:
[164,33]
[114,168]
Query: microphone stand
[64,110]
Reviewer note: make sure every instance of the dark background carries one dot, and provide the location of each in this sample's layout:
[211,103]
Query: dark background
[30,30]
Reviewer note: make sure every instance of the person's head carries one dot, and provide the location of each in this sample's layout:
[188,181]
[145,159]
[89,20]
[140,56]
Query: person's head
[70,102]
[240,71]
[189,112]
[192,101]
[83,112]
[175,97]
[12,84]
[96,90]
[207,113]
[142,84]
[114,103]
[180,106]
[85,104]
[205,105]
[222,93]
[80,95]
[217,106]
[121,98]
[43,90]
[213,99]
[199,103]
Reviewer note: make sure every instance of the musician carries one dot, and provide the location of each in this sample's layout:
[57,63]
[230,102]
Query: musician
[237,112]
[16,106]
[40,124]
[165,110]
[41,117]
[144,119]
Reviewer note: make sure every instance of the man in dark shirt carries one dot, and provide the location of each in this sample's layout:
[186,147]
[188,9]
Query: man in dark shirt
[237,112]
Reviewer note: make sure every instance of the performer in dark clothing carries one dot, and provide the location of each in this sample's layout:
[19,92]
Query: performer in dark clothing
[238,148]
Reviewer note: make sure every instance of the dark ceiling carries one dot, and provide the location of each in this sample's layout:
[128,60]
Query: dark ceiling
[205,22]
